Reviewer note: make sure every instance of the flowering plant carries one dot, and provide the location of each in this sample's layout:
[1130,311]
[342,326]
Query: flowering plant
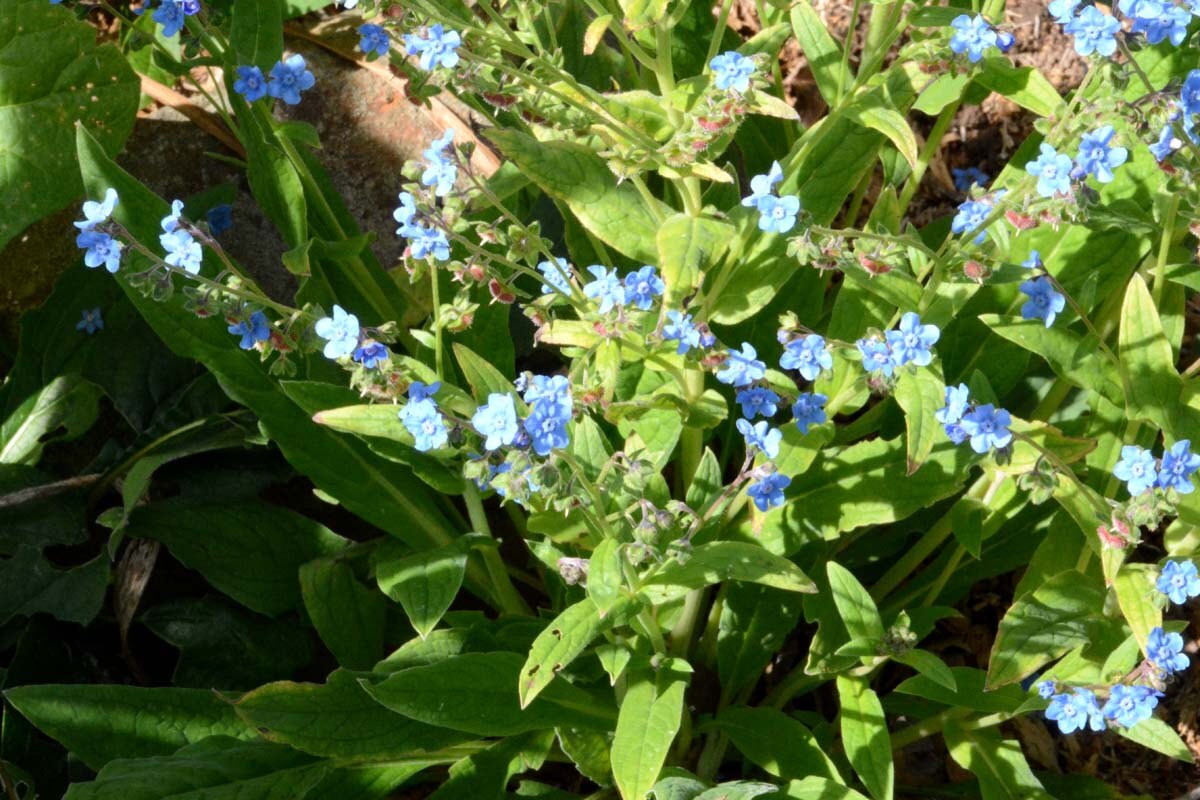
[672,453]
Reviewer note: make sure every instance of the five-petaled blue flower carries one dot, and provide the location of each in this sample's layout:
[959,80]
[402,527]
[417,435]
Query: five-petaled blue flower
[967,177]
[1165,651]
[1136,468]
[340,332]
[777,214]
[438,49]
[809,410]
[876,356]
[761,435]
[808,355]
[642,286]
[987,427]
[913,342]
[742,368]
[556,276]
[219,219]
[1157,19]
[289,78]
[1076,711]
[1129,705]
[1179,581]
[763,185]
[423,241]
[1045,689]
[957,401]
[95,213]
[183,251]
[680,328]
[547,430]
[170,222]
[251,83]
[1166,143]
[496,421]
[768,492]
[606,289]
[732,70]
[1094,32]
[371,354]
[373,40]
[1062,10]
[253,329]
[1044,303]
[1053,171]
[970,216]
[972,35]
[100,249]
[441,172]
[1178,463]
[422,419]
[170,14]
[93,321]
[757,400]
[1189,94]
[1096,155]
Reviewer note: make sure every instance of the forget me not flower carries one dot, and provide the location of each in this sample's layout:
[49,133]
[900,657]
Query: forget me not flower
[1075,711]
[289,78]
[761,435]
[95,213]
[100,249]
[93,321]
[763,185]
[373,40]
[438,49]
[1165,651]
[1136,468]
[1053,171]
[1062,10]
[423,241]
[1096,156]
[809,410]
[732,70]
[1094,32]
[971,214]
[967,177]
[556,276]
[950,415]
[1178,463]
[496,421]
[777,214]
[171,221]
[876,356]
[1179,581]
[768,492]
[987,427]
[680,328]
[1044,303]
[808,355]
[758,400]
[1158,20]
[251,83]
[1045,689]
[340,332]
[972,35]
[606,289]
[170,15]
[742,368]
[547,430]
[1129,705]
[441,172]
[371,354]
[642,286]
[254,329]
[183,250]
[912,342]
[1166,144]
[422,419]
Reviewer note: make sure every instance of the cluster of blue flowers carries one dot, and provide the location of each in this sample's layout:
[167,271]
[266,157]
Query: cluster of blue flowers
[732,70]
[1189,105]
[972,214]
[911,343]
[1097,157]
[984,426]
[1045,302]
[639,288]
[99,247]
[171,14]
[441,171]
[777,214]
[373,41]
[287,79]
[438,48]
[974,36]
[1130,703]
[422,418]
[1142,472]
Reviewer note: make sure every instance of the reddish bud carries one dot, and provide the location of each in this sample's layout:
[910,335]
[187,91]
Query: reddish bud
[1021,222]
[500,293]
[874,267]
[976,271]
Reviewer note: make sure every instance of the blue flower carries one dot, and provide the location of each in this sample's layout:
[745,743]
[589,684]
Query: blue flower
[913,342]
[371,354]
[373,40]
[1053,171]
[423,242]
[761,435]
[422,391]
[550,395]
[289,78]
[170,15]
[680,328]
[971,214]
[809,410]
[876,356]
[1075,711]
[642,286]
[972,35]
[340,332]
[496,421]
[1136,468]
[95,213]
[757,400]
[252,330]
[442,172]
[987,427]
[170,222]
[965,178]
[763,185]
[556,276]
[93,321]
[547,430]
[950,415]
[808,355]
[607,288]
[732,70]
[1094,32]
[1166,144]
[404,213]
[742,369]
[1179,581]
[251,83]
[422,419]
[1129,705]
[1045,689]
[1189,95]
[219,219]
[1158,20]
[768,492]
[439,49]
[101,249]
[1096,156]
[1005,41]
[1062,10]
[1165,651]
[777,214]
[1178,463]
[1044,303]
[183,251]
[1034,261]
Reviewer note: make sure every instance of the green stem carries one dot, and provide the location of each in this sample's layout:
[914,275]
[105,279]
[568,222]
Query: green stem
[506,595]
[936,134]
[1164,249]
[437,322]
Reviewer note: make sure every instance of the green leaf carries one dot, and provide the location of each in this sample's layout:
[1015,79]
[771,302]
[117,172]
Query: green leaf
[687,247]
[737,790]
[337,720]
[1025,86]
[250,551]
[1003,772]
[605,577]
[424,583]
[1076,358]
[558,645]
[1146,359]
[29,584]
[348,616]
[823,54]
[485,701]
[272,176]
[969,691]
[53,76]
[865,736]
[1042,625]
[776,742]
[66,406]
[725,561]
[920,394]
[101,722]
[891,124]
[571,173]
[819,789]
[256,32]
[651,713]
[1138,599]
[1160,737]
[589,752]
[755,622]
[930,666]
[482,377]
[966,518]
[854,604]
[485,774]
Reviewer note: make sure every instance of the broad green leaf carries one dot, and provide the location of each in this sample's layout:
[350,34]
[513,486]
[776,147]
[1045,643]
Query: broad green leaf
[483,378]
[1042,625]
[929,665]
[687,247]
[256,32]
[1003,772]
[814,788]
[67,406]
[1072,356]
[776,742]
[969,691]
[53,76]
[891,124]
[725,561]
[250,551]
[679,785]
[348,616]
[755,622]
[705,487]
[1025,86]
[589,446]
[29,584]
[424,583]
[823,54]
[1160,737]
[942,90]
[854,604]
[920,394]
[337,719]
[366,783]
[486,773]
[572,174]
[1138,599]
[589,752]
[558,645]
[486,703]
[273,178]
[738,790]
[650,716]
[99,722]
[1147,360]
[605,576]
[865,736]
[966,519]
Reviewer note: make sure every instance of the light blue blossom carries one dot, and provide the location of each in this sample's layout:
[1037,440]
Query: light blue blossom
[1044,303]
[1076,711]
[1156,19]
[987,427]
[1136,468]
[1045,689]
[606,289]
[373,40]
[680,328]
[1034,261]
[340,332]
[1063,10]
[1166,144]
[742,368]
[876,356]
[371,354]
[438,49]
[404,213]
[732,70]
[642,286]
[1178,463]
[762,436]
[92,321]
[100,249]
[768,492]
[183,251]
[1094,32]
[1053,171]
[958,399]
[808,355]
[757,401]
[1097,156]
[557,276]
[253,330]
[95,213]
[1179,581]
[972,35]
[1129,705]
[496,421]
[289,78]
[547,430]
[251,83]
[1165,651]
[809,410]
[1189,94]
[777,214]
[913,342]
[424,242]
[970,216]
[423,420]
[763,185]
[170,222]
[441,172]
